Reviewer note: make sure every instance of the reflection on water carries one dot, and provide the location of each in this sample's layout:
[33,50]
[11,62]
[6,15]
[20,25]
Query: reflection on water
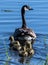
[10,57]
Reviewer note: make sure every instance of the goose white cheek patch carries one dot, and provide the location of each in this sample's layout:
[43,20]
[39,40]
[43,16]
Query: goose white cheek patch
[25,8]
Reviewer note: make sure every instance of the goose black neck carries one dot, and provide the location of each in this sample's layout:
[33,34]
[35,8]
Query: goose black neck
[23,20]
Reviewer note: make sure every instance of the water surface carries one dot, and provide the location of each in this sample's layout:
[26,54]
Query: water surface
[10,19]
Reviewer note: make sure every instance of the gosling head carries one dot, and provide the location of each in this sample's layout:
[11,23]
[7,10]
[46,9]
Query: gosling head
[25,7]
[11,38]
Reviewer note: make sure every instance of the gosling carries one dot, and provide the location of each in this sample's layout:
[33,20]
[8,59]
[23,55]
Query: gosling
[14,44]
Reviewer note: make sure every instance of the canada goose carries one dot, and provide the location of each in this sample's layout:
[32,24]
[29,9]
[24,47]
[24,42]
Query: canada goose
[24,33]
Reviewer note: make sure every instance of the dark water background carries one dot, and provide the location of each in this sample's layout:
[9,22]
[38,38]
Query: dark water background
[10,19]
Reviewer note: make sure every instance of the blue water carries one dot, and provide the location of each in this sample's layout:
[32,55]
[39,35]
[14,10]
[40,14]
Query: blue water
[36,20]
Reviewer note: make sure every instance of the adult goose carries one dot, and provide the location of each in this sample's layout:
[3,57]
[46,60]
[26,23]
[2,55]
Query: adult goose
[24,31]
[24,34]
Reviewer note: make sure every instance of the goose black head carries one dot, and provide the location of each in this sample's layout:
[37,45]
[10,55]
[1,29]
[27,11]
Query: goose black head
[24,8]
